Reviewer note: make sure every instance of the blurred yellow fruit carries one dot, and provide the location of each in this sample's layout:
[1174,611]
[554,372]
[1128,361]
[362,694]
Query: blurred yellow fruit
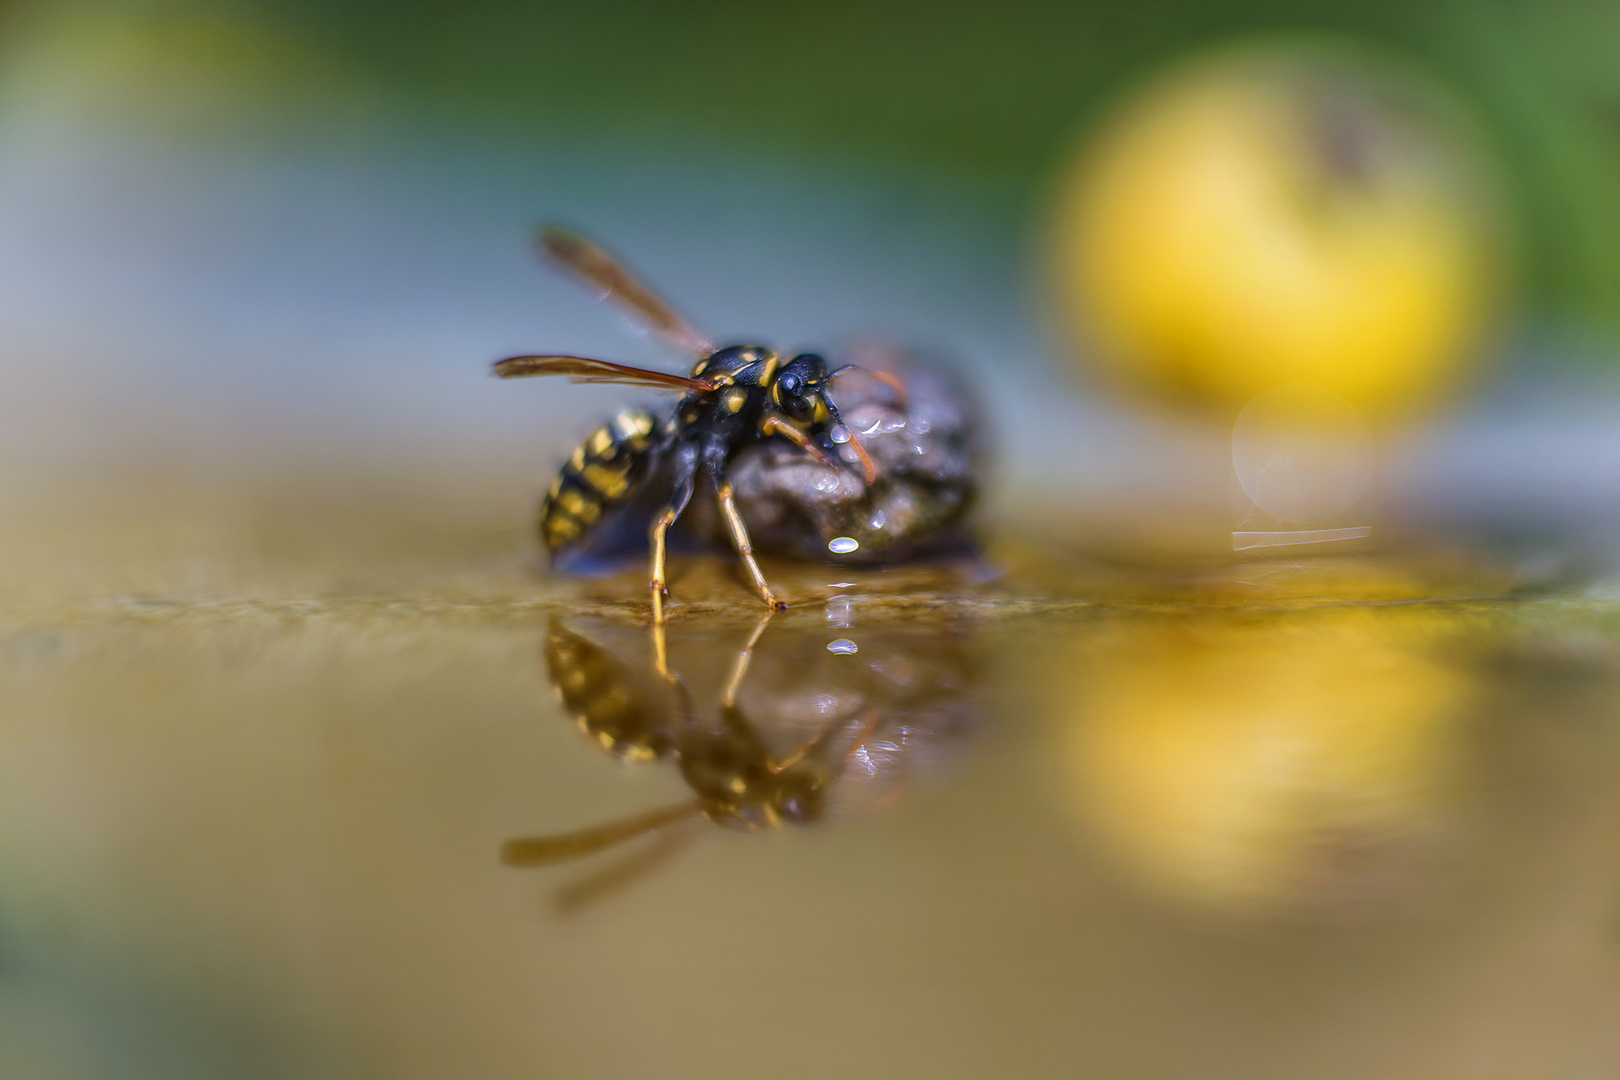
[1277,216]
[1278,761]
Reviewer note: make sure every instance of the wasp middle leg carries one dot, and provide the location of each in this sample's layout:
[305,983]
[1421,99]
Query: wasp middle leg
[714,464]
[686,461]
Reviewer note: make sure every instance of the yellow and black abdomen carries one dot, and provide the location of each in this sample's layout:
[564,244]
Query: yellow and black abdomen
[604,471]
[616,706]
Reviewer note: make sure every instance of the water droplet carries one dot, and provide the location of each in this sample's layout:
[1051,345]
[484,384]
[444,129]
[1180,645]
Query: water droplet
[842,545]
[842,646]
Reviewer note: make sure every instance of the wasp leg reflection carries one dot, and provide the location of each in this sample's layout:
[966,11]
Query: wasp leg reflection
[661,648]
[739,668]
[773,729]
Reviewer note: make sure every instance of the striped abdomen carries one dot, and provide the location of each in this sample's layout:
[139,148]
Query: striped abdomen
[606,703]
[603,470]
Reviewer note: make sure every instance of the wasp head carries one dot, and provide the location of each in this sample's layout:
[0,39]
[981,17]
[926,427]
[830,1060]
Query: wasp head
[799,391]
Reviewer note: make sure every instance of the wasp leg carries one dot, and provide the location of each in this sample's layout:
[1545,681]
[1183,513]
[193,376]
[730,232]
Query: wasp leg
[685,474]
[714,463]
[739,540]
[775,425]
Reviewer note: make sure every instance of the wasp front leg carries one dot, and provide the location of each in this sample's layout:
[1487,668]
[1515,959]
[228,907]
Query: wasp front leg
[715,465]
[775,425]
[686,461]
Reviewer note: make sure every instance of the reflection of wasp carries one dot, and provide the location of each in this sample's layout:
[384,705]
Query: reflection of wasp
[734,397]
[781,738]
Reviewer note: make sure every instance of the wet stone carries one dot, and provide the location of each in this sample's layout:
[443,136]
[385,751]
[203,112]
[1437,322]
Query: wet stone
[926,455]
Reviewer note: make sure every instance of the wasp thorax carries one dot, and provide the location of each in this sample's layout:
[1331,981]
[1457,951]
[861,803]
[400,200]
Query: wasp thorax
[730,361]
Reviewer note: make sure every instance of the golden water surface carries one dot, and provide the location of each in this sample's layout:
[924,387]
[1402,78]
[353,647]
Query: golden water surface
[274,772]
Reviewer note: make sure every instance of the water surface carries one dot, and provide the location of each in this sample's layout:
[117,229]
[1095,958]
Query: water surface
[1264,819]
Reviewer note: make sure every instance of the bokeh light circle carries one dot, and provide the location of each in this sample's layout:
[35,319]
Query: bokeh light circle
[1278,214]
[1301,453]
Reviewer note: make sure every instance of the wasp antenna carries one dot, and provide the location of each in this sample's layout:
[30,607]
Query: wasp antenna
[866,459]
[542,850]
[891,381]
[855,443]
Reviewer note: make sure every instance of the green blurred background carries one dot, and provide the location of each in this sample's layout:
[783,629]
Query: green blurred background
[993,93]
[990,95]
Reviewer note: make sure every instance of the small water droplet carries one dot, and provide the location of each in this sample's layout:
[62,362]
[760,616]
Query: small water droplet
[842,646]
[842,545]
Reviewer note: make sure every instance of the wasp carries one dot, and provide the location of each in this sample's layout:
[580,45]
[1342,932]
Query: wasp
[733,398]
[779,740]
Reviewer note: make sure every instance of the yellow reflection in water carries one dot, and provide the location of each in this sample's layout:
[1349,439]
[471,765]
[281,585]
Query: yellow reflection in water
[1296,759]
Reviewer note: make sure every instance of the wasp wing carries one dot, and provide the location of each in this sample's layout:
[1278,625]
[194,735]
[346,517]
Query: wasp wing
[540,850]
[607,275]
[583,369]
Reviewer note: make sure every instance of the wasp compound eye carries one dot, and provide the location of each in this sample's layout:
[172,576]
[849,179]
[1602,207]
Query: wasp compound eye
[794,399]
[799,805]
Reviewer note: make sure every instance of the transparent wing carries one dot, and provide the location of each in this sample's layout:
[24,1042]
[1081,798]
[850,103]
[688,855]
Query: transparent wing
[608,276]
[540,850]
[583,369]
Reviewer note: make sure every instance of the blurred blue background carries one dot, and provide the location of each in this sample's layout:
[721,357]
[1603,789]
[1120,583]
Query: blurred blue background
[237,232]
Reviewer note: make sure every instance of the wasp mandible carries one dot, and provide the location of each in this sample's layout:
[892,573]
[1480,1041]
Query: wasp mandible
[734,397]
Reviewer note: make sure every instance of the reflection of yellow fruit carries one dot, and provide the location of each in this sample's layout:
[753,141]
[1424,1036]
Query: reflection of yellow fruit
[1276,761]
[1275,217]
